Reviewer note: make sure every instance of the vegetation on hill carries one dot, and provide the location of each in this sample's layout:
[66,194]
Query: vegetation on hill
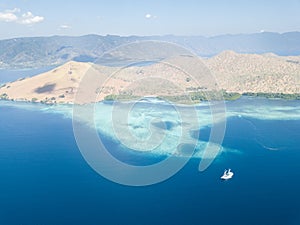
[122,97]
[197,97]
[190,98]
[3,96]
[295,96]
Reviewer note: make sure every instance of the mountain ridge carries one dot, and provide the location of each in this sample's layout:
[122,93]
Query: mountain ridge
[34,52]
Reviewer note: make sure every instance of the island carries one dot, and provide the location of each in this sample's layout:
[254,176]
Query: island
[231,75]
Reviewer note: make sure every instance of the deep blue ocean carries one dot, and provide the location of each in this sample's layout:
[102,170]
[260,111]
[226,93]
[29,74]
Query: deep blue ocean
[44,180]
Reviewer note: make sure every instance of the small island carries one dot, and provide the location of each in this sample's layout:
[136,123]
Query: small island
[232,75]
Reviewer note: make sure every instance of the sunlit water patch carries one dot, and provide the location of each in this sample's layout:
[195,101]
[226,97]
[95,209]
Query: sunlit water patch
[161,121]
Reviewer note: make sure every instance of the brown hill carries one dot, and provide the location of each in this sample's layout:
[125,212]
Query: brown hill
[233,72]
[256,73]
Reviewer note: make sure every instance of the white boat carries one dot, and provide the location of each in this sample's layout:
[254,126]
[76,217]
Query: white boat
[228,174]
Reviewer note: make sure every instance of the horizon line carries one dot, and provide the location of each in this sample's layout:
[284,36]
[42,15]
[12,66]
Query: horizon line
[154,35]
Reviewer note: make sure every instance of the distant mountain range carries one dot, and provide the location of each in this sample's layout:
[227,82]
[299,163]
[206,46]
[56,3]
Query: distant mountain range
[43,51]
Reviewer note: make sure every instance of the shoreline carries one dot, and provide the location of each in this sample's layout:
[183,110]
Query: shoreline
[182,100]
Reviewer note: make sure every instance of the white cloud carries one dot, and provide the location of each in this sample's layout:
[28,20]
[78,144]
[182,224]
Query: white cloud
[65,26]
[148,16]
[12,15]
[29,18]
[15,10]
[8,17]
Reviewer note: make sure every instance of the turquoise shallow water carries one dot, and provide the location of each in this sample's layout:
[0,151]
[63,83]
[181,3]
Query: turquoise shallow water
[45,180]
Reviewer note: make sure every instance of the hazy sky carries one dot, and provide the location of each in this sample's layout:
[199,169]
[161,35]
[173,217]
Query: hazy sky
[152,17]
